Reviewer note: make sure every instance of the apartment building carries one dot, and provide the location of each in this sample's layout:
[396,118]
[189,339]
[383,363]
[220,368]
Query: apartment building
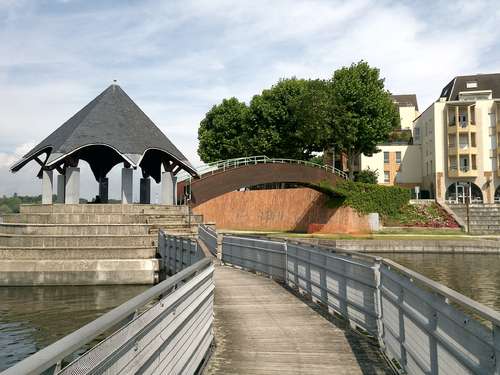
[398,162]
[455,148]
[459,136]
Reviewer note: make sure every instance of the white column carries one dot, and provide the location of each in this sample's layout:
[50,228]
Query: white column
[72,186]
[127,185]
[61,183]
[145,191]
[168,188]
[47,187]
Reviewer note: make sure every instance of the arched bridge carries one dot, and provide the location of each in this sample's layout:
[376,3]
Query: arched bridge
[225,176]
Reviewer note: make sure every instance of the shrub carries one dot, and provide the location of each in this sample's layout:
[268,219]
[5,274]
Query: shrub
[367,176]
[367,198]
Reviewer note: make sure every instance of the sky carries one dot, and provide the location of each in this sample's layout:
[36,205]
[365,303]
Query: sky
[176,59]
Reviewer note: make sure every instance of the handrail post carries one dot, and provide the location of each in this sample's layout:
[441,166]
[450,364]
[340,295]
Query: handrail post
[496,344]
[378,301]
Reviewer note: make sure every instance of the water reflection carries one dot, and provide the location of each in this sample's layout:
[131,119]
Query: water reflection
[475,275]
[34,317]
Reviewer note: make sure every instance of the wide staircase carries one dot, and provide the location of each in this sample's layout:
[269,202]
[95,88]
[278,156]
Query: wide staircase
[85,244]
[483,218]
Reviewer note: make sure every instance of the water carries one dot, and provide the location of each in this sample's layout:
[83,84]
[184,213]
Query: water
[476,276]
[33,317]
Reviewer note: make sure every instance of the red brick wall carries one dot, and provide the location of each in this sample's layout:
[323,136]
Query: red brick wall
[280,210]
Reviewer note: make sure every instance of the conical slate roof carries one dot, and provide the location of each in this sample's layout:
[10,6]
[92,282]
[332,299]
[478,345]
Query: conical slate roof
[112,119]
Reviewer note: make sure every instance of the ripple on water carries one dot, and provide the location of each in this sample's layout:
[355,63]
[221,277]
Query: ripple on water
[34,317]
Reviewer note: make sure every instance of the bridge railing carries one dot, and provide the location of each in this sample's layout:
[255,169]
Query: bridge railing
[209,236]
[177,253]
[426,327]
[166,329]
[223,165]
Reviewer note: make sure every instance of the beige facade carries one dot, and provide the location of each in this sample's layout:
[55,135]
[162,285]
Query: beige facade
[459,146]
[456,143]
[396,165]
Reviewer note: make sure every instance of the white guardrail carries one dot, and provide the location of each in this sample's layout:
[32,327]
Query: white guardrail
[424,326]
[223,165]
[167,329]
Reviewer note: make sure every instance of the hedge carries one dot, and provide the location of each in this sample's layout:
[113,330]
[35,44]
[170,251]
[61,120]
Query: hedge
[367,198]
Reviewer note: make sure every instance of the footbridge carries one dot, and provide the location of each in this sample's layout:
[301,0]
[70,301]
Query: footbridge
[248,305]
[228,175]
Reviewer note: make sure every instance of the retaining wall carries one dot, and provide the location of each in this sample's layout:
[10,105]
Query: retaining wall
[294,210]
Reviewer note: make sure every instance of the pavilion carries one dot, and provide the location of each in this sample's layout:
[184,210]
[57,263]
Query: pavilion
[110,130]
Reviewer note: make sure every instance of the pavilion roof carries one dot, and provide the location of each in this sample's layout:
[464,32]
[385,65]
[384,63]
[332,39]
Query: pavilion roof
[112,119]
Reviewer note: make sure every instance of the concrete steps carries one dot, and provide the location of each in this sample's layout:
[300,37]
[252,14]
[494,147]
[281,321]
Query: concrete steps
[85,244]
[112,218]
[102,209]
[483,219]
[66,253]
[78,272]
[28,241]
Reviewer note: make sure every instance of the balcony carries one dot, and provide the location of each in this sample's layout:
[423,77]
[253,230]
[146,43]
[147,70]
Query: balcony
[462,172]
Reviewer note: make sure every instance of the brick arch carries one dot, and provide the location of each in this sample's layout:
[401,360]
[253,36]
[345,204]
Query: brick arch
[211,185]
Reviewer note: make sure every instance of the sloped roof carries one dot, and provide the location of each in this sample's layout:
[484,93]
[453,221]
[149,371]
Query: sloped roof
[112,119]
[484,82]
[408,100]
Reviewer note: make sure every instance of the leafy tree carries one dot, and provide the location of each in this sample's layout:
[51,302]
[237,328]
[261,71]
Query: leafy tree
[364,113]
[221,132]
[286,120]
[367,176]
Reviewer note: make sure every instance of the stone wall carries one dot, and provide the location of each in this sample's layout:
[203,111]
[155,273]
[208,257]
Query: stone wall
[297,210]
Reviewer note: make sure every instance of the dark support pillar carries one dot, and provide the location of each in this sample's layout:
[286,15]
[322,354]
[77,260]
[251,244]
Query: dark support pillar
[145,191]
[103,189]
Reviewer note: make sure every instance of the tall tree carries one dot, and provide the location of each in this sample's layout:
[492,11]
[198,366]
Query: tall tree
[285,120]
[221,132]
[363,112]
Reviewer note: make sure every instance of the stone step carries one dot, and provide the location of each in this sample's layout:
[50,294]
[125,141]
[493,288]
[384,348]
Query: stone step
[78,272]
[103,208]
[13,240]
[89,229]
[75,229]
[44,253]
[75,218]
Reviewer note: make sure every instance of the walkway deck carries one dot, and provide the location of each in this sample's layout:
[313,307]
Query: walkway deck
[261,328]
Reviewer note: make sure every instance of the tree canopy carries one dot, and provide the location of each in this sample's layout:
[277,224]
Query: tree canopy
[352,112]
[364,112]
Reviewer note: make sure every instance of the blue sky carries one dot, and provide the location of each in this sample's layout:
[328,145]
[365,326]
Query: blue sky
[178,58]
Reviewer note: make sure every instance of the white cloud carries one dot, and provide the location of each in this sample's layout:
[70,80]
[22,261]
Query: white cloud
[177,59]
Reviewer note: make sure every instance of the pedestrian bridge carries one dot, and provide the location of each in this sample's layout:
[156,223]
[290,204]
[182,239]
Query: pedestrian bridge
[228,175]
[250,305]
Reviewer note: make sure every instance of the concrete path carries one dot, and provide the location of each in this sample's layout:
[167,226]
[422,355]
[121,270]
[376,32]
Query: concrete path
[261,328]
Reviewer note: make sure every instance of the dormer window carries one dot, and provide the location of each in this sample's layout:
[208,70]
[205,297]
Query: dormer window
[471,85]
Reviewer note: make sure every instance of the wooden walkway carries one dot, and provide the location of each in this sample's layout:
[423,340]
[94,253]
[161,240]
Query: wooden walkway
[261,328]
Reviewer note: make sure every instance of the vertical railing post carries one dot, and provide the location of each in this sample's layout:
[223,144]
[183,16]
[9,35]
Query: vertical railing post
[378,301]
[285,248]
[219,239]
[496,344]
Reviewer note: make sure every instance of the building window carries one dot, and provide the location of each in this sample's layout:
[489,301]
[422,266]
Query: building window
[386,157]
[387,176]
[471,85]
[398,157]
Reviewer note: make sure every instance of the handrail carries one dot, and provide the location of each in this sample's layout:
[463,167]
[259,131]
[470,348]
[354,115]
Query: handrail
[483,311]
[56,352]
[222,165]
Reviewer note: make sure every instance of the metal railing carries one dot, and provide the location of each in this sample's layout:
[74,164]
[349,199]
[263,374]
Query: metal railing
[166,329]
[177,253]
[209,237]
[426,327]
[223,165]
